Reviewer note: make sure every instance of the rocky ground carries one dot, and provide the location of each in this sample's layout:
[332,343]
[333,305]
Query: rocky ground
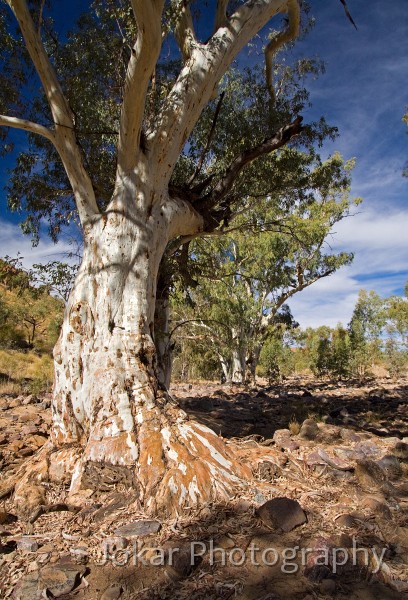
[325,515]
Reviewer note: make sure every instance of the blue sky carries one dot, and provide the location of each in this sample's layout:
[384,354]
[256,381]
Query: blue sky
[364,93]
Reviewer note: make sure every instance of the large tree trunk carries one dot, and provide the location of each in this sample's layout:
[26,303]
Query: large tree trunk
[238,366]
[107,400]
[162,338]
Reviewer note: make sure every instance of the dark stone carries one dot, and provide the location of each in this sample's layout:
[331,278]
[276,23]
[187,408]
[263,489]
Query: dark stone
[317,573]
[309,430]
[58,580]
[282,514]
[345,520]
[401,450]
[138,529]
[391,466]
[369,473]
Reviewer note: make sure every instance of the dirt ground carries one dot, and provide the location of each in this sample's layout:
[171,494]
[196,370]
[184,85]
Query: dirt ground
[337,454]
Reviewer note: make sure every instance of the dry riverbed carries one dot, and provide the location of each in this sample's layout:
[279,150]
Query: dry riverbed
[325,515]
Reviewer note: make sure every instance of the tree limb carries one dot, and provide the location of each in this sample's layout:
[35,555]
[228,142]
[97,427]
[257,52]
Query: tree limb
[142,62]
[277,140]
[221,19]
[279,40]
[198,80]
[65,139]
[185,35]
[15,123]
[209,140]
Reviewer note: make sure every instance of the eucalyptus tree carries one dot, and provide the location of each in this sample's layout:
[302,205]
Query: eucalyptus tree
[111,114]
[274,250]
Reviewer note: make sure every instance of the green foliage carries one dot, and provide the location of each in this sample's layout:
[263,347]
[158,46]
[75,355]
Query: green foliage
[277,358]
[365,328]
[274,248]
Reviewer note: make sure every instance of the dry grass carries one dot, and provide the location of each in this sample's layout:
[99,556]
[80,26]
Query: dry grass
[294,426]
[25,371]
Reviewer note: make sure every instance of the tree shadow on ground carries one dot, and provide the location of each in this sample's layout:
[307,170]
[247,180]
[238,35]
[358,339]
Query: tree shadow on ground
[261,411]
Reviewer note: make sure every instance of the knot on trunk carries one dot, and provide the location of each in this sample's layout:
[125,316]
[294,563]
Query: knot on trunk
[81,318]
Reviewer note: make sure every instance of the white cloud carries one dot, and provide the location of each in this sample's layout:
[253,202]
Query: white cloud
[380,243]
[13,241]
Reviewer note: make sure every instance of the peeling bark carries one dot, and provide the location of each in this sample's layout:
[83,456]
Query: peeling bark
[107,396]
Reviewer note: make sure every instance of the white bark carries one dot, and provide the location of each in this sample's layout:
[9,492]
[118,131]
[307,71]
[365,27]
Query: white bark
[107,397]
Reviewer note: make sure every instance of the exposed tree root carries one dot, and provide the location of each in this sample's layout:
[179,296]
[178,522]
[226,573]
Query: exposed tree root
[173,463]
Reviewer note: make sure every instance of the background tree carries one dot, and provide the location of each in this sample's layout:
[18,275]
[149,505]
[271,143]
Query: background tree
[365,327]
[272,253]
[108,134]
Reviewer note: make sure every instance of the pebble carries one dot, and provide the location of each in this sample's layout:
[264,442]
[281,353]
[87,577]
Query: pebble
[27,544]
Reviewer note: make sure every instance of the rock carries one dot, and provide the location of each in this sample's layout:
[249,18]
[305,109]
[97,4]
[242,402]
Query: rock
[113,592]
[309,430]
[318,562]
[345,520]
[80,553]
[369,449]
[377,507]
[282,514]
[27,544]
[391,466]
[335,463]
[348,454]
[224,541]
[114,543]
[31,399]
[401,450]
[242,507]
[328,587]
[6,518]
[58,580]
[37,441]
[344,541]
[29,429]
[369,474]
[138,529]
[348,435]
[183,562]
[61,578]
[27,497]
[280,435]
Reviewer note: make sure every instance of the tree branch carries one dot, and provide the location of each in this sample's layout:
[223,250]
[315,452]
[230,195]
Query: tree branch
[209,140]
[290,33]
[277,140]
[221,14]
[185,35]
[145,54]
[64,137]
[15,123]
[199,79]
